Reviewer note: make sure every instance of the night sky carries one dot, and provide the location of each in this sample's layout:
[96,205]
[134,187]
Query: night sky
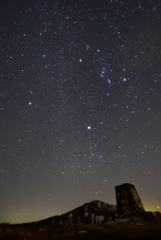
[80,104]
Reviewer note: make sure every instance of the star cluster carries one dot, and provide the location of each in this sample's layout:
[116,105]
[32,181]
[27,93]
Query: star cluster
[80,104]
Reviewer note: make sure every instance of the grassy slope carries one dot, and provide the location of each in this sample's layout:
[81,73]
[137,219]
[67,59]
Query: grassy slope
[141,230]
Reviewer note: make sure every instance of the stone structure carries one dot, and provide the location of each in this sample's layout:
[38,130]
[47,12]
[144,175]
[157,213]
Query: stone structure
[128,200]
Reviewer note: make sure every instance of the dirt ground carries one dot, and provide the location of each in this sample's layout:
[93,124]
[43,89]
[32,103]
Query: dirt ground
[148,230]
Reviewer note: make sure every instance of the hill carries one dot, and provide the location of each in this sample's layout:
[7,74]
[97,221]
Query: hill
[94,220]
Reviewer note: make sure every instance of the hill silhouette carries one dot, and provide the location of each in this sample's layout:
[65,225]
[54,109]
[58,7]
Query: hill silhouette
[93,220]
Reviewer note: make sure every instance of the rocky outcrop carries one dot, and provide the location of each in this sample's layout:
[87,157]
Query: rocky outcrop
[94,212]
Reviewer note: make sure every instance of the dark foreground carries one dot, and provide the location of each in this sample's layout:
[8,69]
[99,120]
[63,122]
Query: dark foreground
[134,230]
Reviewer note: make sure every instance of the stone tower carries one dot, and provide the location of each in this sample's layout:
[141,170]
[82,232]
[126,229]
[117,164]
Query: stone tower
[128,200]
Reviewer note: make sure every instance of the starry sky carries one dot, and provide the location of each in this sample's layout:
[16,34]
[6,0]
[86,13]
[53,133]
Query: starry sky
[80,104]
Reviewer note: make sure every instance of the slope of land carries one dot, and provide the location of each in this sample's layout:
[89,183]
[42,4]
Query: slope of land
[94,220]
[138,230]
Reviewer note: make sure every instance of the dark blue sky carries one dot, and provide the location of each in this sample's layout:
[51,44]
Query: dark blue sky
[80,96]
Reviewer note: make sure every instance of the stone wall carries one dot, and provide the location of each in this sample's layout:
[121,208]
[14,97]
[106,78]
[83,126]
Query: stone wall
[128,200]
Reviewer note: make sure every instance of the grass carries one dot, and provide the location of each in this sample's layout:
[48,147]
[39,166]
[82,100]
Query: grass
[148,230]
